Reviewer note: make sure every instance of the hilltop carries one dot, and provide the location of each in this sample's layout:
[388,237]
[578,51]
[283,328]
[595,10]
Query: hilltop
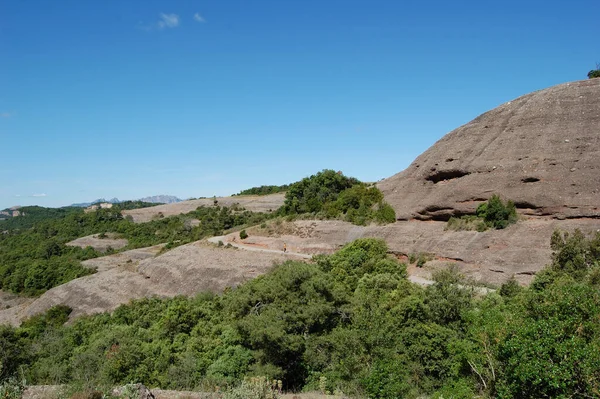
[541,150]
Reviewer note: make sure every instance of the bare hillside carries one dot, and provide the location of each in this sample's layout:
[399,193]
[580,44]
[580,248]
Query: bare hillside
[541,150]
[185,270]
[493,256]
[99,244]
[255,203]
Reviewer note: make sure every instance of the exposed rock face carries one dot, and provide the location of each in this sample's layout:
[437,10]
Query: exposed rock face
[541,150]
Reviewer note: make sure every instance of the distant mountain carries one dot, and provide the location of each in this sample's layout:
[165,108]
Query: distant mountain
[98,201]
[161,199]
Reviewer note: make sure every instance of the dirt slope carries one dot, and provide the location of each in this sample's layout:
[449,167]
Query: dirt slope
[255,203]
[492,257]
[541,150]
[185,270]
[99,244]
[128,259]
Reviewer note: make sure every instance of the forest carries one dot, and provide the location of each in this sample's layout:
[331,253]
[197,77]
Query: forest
[350,322]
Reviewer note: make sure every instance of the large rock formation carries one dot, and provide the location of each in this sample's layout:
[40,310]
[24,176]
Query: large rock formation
[541,150]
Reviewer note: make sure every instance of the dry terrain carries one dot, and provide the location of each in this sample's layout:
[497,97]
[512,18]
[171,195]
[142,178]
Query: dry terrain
[99,244]
[255,203]
[58,391]
[128,259]
[184,270]
[541,150]
[490,257]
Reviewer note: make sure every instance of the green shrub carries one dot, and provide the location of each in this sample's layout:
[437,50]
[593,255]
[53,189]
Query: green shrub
[263,190]
[510,288]
[491,214]
[331,195]
[255,388]
[594,73]
[11,389]
[497,214]
[385,214]
[243,235]
[311,193]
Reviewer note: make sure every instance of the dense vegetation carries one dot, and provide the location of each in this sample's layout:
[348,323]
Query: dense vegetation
[264,190]
[36,259]
[32,215]
[351,322]
[492,214]
[330,194]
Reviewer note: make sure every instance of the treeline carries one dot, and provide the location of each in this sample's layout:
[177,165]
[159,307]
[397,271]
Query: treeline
[264,190]
[36,259]
[32,215]
[330,195]
[350,322]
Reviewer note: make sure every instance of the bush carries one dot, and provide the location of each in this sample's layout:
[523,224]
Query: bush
[330,195]
[497,214]
[243,235]
[594,73]
[311,193]
[491,214]
[255,388]
[11,389]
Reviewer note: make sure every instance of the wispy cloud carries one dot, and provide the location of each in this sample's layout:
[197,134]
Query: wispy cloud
[39,195]
[5,114]
[199,18]
[168,21]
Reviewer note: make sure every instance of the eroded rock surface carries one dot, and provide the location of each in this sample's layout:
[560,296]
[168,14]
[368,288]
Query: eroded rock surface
[541,150]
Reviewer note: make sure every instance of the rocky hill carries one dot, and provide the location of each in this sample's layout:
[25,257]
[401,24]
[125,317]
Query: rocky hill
[541,150]
[255,203]
[161,199]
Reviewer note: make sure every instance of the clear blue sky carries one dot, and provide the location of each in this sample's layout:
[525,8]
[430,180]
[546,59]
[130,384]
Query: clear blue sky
[196,98]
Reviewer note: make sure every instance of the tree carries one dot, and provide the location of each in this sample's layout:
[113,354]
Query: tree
[496,213]
[594,73]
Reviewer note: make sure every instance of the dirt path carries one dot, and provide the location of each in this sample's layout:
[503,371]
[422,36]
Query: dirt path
[215,240]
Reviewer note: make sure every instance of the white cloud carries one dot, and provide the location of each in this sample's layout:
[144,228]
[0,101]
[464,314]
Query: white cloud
[168,21]
[39,195]
[199,18]
[5,114]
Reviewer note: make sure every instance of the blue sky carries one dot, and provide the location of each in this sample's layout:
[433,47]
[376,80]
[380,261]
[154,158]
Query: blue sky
[199,98]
